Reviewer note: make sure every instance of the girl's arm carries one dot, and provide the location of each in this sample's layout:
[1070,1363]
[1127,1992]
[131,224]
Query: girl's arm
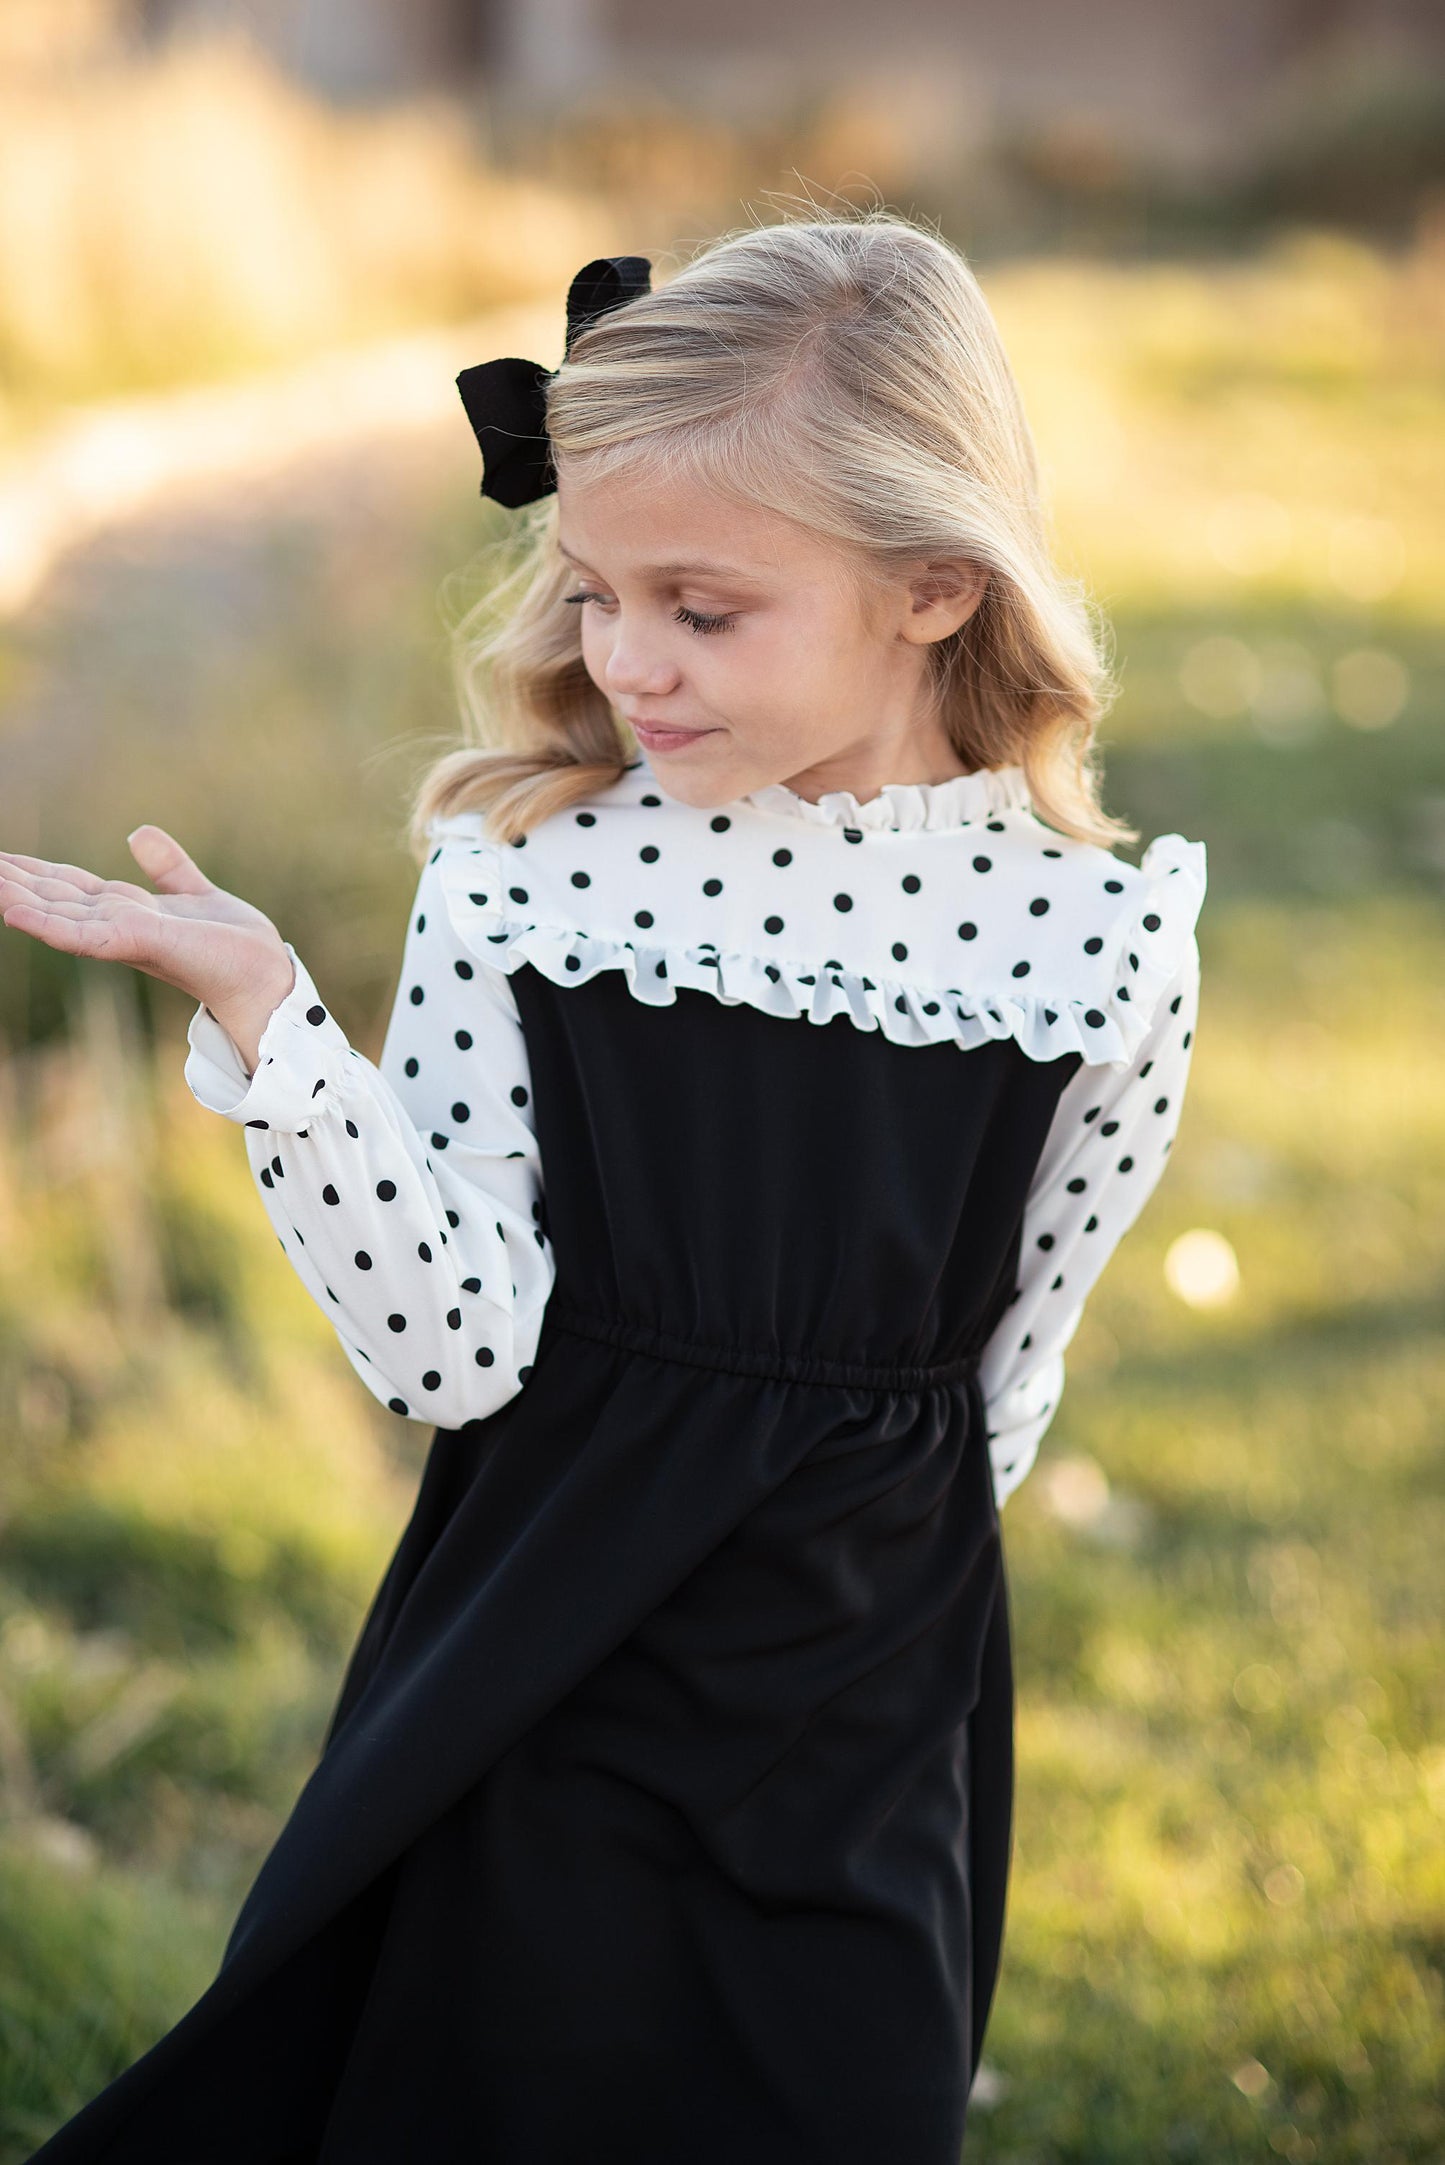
[1104,1153]
[407,1196]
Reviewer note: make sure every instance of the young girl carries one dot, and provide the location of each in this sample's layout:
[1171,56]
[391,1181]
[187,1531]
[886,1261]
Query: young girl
[664,1816]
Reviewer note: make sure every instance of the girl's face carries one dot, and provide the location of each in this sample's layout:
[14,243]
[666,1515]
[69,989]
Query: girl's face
[737,647]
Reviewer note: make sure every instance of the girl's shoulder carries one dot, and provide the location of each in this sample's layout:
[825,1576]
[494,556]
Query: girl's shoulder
[929,913]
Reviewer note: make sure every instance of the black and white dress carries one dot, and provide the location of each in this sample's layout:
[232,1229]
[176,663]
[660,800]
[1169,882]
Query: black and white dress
[664,1814]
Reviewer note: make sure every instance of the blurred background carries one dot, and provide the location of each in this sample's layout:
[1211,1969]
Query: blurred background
[243,251]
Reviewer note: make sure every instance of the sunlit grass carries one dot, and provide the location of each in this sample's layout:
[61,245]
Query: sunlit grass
[198,214]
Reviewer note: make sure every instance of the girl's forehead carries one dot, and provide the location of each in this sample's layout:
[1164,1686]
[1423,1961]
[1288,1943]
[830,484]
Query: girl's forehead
[667,526]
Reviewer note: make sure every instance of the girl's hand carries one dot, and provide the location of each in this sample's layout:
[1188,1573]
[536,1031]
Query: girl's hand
[191,934]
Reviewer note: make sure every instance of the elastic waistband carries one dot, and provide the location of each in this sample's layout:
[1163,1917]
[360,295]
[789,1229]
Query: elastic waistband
[757,1360]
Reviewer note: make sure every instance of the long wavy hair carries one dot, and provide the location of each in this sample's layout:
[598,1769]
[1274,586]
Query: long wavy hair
[843,370]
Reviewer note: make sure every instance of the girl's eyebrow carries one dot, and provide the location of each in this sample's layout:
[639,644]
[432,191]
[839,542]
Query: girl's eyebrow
[677,570]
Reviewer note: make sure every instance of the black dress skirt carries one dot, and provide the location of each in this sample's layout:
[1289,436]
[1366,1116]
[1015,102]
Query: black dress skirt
[664,1815]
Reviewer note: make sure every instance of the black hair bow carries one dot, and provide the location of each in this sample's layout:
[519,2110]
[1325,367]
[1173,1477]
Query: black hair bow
[506,401]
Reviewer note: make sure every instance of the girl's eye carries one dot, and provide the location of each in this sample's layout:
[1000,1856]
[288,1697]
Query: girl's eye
[683,615]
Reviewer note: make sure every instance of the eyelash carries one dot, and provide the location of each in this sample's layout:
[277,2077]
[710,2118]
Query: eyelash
[683,615]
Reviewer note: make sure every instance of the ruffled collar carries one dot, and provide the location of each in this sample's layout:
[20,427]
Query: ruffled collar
[899,807]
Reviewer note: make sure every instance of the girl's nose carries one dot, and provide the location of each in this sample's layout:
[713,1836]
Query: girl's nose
[635,669]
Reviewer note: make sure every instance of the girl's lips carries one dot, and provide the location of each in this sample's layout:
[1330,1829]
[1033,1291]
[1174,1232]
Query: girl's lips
[659,739]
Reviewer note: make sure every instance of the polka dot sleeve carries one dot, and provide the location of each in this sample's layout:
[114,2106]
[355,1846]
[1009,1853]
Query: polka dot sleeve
[406,1195]
[1104,1153]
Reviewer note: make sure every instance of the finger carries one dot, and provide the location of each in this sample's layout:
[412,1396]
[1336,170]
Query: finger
[39,888]
[75,931]
[88,882]
[165,864]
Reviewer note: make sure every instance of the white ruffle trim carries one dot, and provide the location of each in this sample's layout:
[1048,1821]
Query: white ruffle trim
[904,807]
[1106,1027]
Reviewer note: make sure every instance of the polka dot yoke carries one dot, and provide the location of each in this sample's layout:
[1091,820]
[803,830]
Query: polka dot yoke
[933,911]
[409,1195]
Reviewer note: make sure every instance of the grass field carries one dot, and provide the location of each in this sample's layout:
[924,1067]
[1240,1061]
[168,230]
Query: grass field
[1227,1928]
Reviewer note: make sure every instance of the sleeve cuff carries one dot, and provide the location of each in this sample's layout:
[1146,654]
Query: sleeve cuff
[301,1062]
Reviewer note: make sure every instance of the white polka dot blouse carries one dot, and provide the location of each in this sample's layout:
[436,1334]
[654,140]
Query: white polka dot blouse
[407,1195]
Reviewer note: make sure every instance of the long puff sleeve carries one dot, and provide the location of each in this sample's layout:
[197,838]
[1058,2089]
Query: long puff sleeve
[406,1195]
[1102,1158]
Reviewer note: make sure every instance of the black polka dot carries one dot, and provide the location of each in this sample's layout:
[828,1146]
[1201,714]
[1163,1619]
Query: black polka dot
[650,800]
[967,931]
[386,1189]
[782,856]
[362,1260]
[721,824]
[329,1194]
[983,864]
[1021,969]
[852,834]
[518,894]
[431,1381]
[842,902]
[1046,1240]
[316,1014]
[454,1319]
[518,1094]
[587,819]
[1038,906]
[581,879]
[1113,887]
[416,995]
[423,1251]
[1094,1018]
[900,952]
[712,887]
[396,1323]
[772,924]
[1093,944]
[1161,1104]
[485,1356]
[1152,922]
[1077,1186]
[643,918]
[1125,1164]
[650,854]
[911,883]
[396,1405]
[461,1112]
[410,1066]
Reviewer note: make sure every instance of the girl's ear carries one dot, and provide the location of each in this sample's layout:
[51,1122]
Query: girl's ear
[942,594]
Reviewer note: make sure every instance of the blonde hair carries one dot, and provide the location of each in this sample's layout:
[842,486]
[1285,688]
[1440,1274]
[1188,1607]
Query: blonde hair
[845,371]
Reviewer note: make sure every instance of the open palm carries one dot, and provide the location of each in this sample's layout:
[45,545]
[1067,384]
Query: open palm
[189,932]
